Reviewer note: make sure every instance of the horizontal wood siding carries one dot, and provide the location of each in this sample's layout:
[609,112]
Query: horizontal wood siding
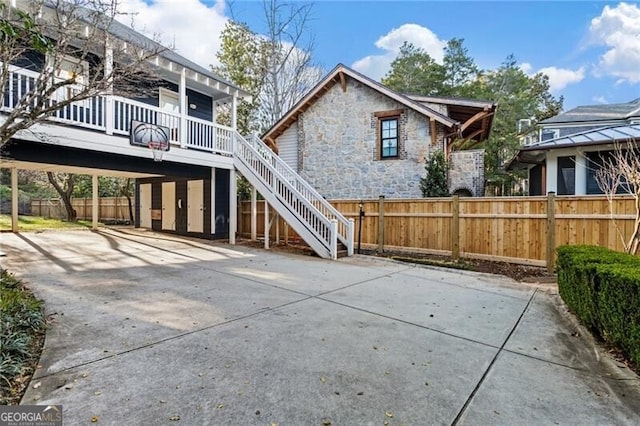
[502,228]
[288,146]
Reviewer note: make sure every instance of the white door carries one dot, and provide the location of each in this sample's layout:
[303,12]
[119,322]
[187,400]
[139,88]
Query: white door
[168,206]
[169,101]
[195,206]
[145,205]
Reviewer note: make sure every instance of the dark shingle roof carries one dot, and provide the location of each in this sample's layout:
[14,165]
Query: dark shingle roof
[601,112]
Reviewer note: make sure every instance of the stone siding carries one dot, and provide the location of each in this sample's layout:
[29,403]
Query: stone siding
[338,146]
[466,172]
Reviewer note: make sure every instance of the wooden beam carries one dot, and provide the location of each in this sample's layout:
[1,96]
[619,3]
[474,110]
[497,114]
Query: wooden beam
[271,144]
[343,81]
[391,113]
[434,131]
[478,116]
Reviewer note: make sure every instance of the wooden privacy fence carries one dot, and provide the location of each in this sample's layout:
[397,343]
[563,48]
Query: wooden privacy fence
[109,208]
[513,229]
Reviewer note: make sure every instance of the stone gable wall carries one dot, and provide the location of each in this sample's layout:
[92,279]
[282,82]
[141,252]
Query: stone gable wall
[466,172]
[338,146]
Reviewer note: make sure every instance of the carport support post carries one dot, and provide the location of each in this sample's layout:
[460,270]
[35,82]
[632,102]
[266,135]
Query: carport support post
[14,199]
[254,213]
[94,202]
[233,206]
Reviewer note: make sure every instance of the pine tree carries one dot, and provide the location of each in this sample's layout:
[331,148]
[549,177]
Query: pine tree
[434,184]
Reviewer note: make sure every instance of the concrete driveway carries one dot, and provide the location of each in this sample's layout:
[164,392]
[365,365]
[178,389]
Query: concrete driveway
[154,329]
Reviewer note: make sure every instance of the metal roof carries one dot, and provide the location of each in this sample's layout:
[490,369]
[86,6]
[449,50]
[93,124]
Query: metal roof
[604,135]
[597,113]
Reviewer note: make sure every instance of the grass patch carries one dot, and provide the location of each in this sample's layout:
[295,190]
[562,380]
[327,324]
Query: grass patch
[37,223]
[431,262]
[22,326]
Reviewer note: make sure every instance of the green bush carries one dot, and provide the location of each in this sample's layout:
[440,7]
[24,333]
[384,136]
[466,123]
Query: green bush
[602,288]
[22,321]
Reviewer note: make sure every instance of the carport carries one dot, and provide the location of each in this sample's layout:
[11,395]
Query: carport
[213,199]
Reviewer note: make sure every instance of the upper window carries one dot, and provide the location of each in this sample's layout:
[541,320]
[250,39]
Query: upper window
[389,137]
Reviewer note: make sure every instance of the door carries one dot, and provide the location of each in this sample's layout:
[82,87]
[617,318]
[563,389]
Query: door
[145,205]
[195,206]
[168,206]
[170,102]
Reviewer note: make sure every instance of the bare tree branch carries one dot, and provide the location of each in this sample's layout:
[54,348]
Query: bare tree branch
[620,173]
[81,38]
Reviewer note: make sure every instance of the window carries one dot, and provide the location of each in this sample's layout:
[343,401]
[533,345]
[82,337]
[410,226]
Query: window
[549,134]
[389,137]
[566,175]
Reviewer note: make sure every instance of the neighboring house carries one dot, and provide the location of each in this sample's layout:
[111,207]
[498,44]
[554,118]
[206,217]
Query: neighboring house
[192,190]
[351,137]
[567,165]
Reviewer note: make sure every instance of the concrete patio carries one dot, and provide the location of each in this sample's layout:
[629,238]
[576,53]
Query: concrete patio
[153,329]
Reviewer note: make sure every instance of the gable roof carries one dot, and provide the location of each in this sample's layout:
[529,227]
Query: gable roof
[338,75]
[127,34]
[535,153]
[602,112]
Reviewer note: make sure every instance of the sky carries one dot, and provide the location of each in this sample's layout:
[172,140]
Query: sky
[589,49]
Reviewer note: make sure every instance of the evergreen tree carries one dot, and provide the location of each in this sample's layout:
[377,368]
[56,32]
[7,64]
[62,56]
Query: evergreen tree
[435,184]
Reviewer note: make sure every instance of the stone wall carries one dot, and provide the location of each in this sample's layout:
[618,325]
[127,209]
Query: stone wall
[466,172]
[338,146]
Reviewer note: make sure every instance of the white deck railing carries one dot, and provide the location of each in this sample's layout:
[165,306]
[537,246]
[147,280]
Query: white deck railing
[113,115]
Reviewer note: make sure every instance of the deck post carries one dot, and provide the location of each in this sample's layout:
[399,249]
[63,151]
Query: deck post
[14,199]
[94,202]
[266,224]
[233,206]
[254,213]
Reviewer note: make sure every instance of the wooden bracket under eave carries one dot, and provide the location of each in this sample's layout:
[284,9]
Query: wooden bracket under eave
[271,144]
[433,129]
[343,81]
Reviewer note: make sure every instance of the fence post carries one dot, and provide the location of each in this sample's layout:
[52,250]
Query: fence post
[455,227]
[551,231]
[381,223]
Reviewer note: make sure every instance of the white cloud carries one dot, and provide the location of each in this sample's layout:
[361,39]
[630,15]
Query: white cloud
[526,68]
[559,78]
[190,26]
[618,28]
[376,66]
[600,99]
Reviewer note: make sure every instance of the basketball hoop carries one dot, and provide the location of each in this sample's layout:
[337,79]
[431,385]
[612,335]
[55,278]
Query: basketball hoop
[157,149]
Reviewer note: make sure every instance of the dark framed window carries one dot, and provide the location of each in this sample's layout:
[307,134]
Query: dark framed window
[566,175]
[389,137]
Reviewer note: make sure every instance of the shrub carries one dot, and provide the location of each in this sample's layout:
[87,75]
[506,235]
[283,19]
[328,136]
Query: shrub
[602,288]
[22,322]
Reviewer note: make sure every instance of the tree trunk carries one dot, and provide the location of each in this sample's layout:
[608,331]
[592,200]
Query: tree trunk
[126,191]
[65,193]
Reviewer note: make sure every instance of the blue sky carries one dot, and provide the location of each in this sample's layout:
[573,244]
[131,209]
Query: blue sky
[590,50]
